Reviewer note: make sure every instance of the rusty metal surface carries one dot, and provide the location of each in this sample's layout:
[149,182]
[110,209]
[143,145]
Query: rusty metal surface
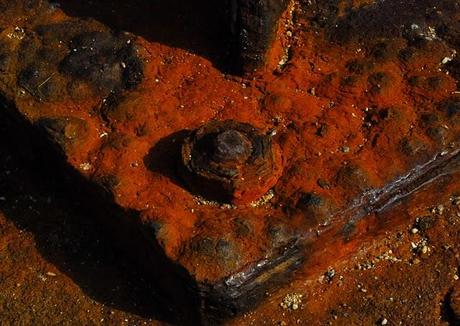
[360,97]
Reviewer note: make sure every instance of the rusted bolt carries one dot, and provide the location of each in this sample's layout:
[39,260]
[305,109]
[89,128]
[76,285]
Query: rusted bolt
[229,161]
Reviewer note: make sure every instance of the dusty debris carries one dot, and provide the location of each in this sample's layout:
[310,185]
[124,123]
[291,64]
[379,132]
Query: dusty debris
[292,301]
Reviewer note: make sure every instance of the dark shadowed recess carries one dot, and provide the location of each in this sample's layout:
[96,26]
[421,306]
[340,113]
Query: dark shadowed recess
[198,26]
[447,313]
[165,156]
[67,231]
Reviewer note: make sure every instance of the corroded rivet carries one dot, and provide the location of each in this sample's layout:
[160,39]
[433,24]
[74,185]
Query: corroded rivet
[352,178]
[316,208]
[229,161]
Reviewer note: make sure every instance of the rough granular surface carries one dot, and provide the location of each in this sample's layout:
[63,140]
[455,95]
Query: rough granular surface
[364,109]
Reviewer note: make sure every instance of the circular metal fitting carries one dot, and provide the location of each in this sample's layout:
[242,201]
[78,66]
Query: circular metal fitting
[229,161]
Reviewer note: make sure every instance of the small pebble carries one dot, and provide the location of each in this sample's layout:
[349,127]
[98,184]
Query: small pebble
[85,166]
[446,60]
[438,210]
[424,249]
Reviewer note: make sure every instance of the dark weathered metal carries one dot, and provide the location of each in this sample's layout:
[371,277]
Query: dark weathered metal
[253,24]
